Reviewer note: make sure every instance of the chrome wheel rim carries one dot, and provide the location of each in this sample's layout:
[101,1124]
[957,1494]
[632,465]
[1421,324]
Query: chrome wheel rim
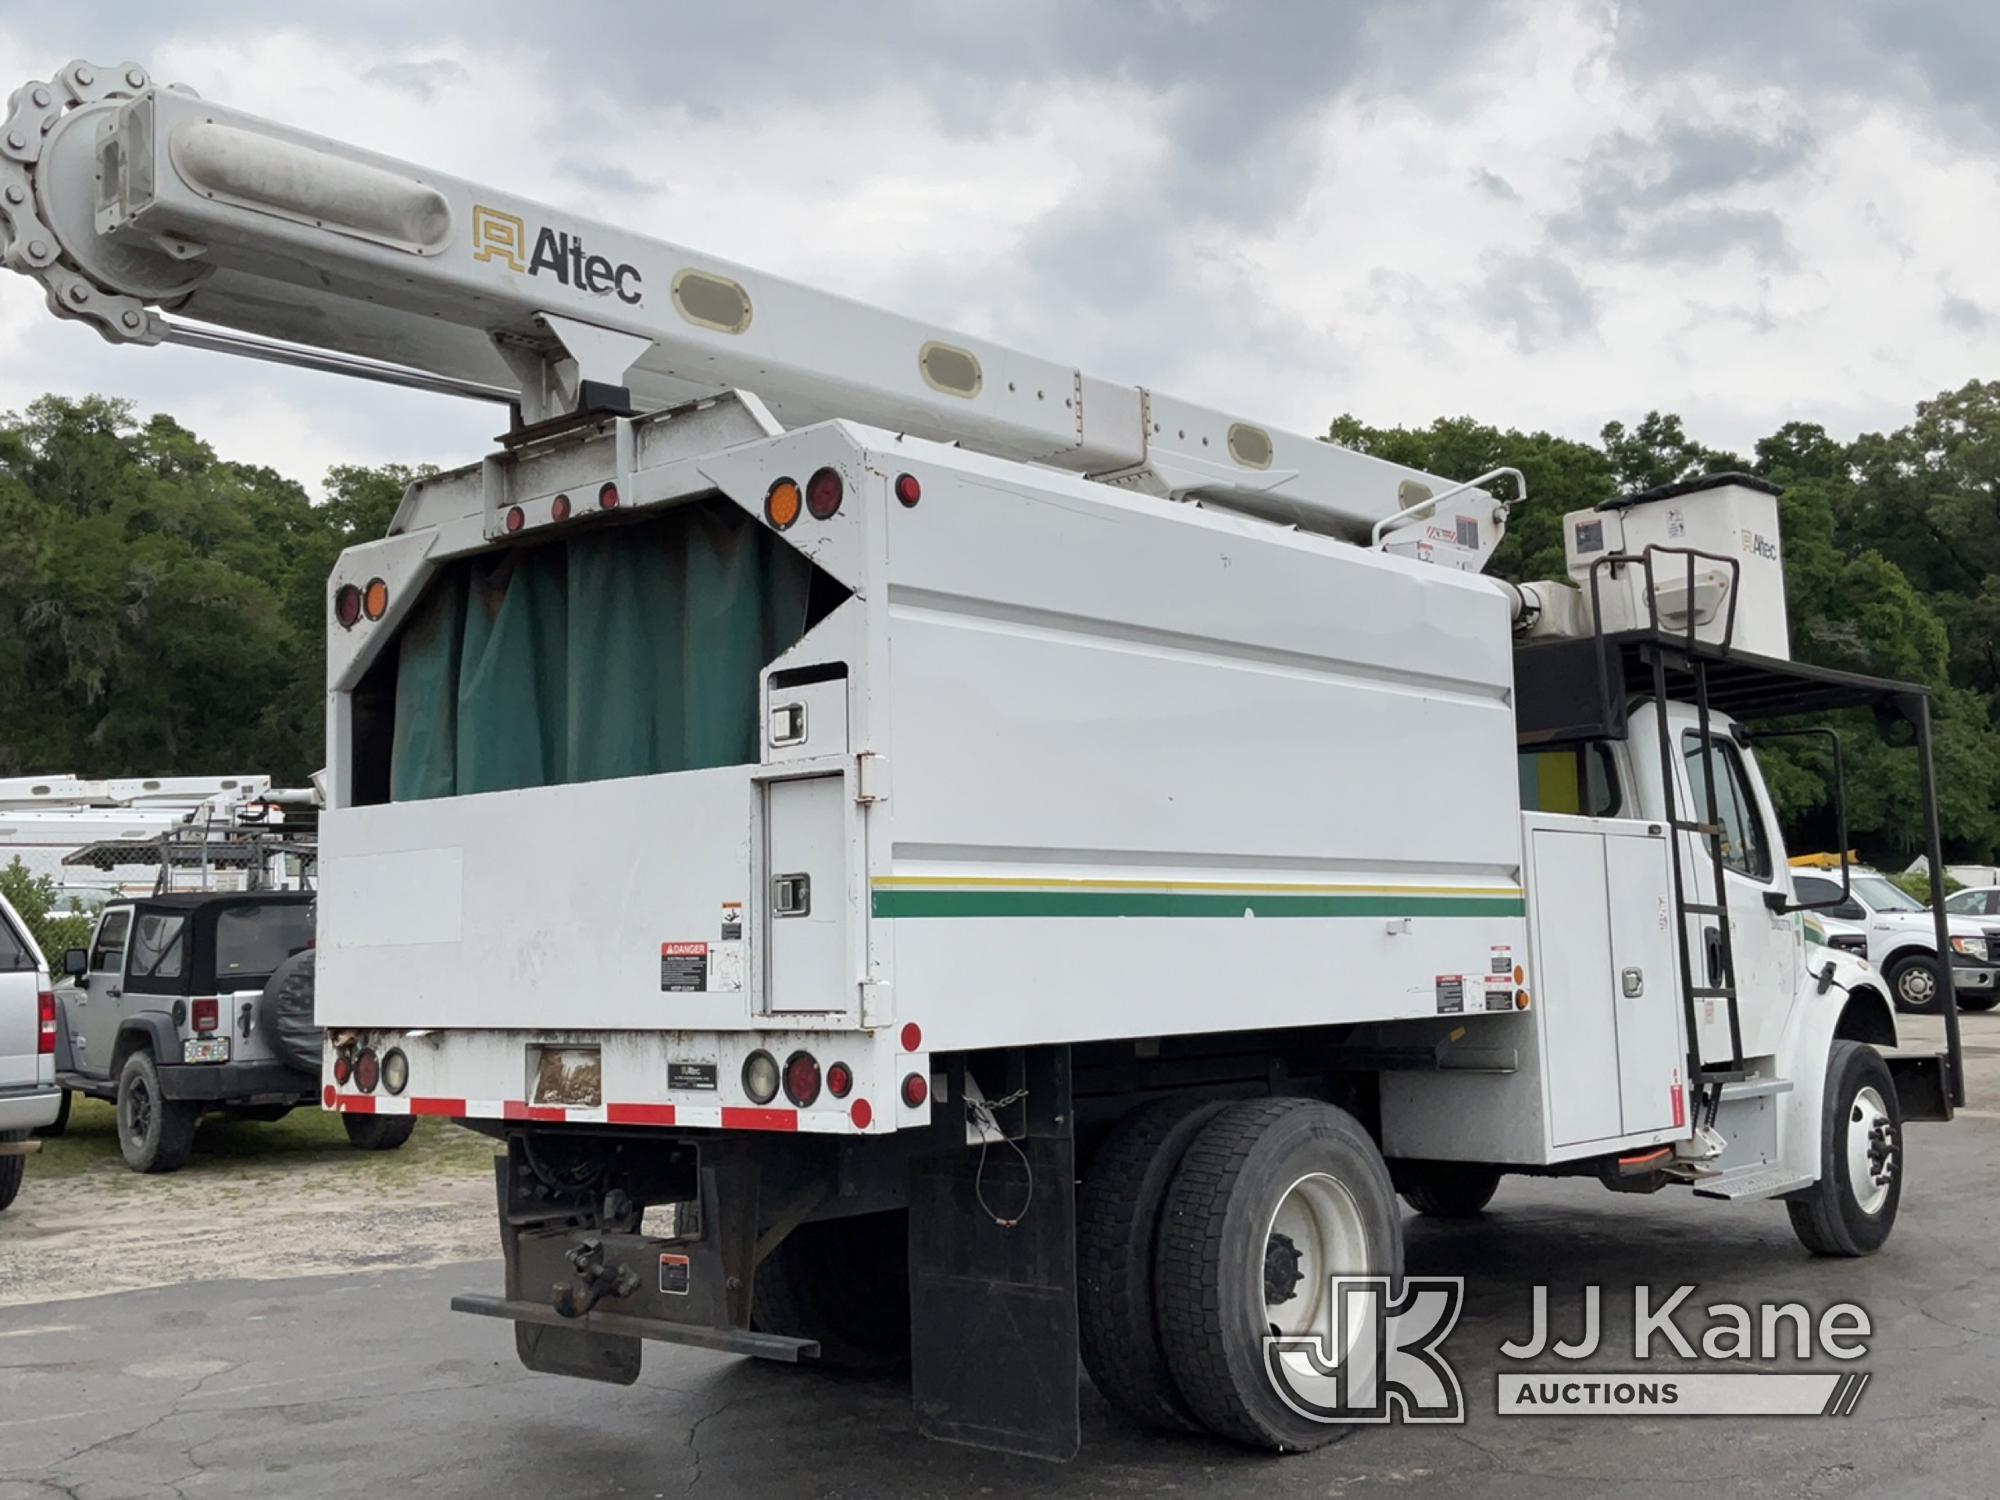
[1872,1155]
[1315,1233]
[1916,985]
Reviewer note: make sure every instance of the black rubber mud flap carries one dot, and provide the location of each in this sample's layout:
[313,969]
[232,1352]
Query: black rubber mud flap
[560,1351]
[994,1361]
[570,1351]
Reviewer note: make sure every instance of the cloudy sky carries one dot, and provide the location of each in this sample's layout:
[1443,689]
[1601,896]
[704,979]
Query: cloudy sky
[1546,214]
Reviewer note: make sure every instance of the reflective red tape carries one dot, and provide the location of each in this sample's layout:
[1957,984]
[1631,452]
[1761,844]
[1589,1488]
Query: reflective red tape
[451,1109]
[354,1104]
[513,1109]
[639,1114]
[759,1119]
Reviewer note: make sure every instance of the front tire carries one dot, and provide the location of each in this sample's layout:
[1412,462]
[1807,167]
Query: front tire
[1449,1189]
[155,1133]
[1272,1200]
[378,1132]
[1852,1208]
[1914,982]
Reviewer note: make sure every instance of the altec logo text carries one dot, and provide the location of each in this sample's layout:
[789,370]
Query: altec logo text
[503,239]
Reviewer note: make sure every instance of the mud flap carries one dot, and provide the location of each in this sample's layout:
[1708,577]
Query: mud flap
[993,1321]
[1923,1084]
[560,1351]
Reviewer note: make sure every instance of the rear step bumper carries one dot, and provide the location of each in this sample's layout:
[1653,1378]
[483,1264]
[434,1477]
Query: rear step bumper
[624,1325]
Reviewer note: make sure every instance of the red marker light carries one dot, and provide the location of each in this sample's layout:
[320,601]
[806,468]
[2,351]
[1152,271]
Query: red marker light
[607,497]
[916,1089]
[839,1080]
[861,1113]
[516,518]
[913,1037]
[367,1072]
[908,490]
[342,1069]
[801,1079]
[347,605]
[559,508]
[823,494]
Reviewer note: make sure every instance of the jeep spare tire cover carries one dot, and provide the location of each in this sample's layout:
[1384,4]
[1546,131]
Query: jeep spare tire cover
[285,1013]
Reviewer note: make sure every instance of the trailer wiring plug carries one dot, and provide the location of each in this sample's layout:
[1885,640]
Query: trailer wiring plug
[983,1116]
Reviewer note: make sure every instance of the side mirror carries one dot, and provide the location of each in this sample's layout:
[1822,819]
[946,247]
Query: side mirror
[1778,901]
[76,963]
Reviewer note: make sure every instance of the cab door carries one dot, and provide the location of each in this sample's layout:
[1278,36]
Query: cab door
[95,1008]
[1767,945]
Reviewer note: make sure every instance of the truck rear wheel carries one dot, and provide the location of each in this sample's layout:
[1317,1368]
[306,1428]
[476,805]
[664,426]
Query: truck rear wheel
[1272,1200]
[1448,1189]
[12,1169]
[1852,1207]
[844,1282]
[155,1133]
[378,1132]
[1117,1229]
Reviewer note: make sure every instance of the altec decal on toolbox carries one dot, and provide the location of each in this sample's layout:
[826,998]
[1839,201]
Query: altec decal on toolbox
[954,896]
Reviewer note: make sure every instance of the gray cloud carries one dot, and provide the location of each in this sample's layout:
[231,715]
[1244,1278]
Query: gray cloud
[422,79]
[1536,298]
[1963,314]
[1494,186]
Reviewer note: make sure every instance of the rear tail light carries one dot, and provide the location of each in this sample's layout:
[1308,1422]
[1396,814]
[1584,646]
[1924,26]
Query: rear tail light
[823,494]
[839,1080]
[367,1072]
[908,490]
[342,1068]
[347,606]
[607,497]
[801,1079]
[516,518]
[916,1089]
[395,1070]
[760,1077]
[45,1010]
[206,1015]
[559,508]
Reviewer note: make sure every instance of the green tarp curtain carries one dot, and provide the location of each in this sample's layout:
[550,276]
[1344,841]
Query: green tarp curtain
[625,650]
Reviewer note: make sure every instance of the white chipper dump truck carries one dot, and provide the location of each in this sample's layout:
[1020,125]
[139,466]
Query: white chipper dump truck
[920,853]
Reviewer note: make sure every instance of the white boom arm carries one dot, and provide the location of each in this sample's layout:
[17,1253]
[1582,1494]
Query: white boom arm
[128,201]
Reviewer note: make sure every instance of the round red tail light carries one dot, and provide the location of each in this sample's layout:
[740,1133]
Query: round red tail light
[839,1080]
[916,1089]
[367,1072]
[347,605]
[607,497]
[559,508]
[801,1079]
[908,490]
[342,1069]
[823,494]
[516,518]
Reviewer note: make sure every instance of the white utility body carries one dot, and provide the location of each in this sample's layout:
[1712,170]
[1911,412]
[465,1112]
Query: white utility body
[815,722]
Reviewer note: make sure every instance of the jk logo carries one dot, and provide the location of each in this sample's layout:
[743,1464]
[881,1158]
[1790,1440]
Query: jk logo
[1379,1359]
[501,237]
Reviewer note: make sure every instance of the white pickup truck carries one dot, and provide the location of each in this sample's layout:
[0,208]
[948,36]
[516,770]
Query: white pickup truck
[29,1097]
[1901,941]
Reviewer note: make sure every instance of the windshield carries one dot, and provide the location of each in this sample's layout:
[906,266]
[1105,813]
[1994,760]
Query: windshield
[251,941]
[1880,895]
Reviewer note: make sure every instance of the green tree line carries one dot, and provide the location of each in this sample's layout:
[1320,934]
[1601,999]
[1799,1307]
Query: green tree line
[1891,547]
[163,609]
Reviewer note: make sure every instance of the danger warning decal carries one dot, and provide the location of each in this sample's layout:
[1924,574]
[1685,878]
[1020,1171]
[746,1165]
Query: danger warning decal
[1450,994]
[683,967]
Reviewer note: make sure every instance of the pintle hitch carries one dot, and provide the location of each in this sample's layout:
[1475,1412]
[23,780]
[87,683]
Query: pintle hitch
[595,1280]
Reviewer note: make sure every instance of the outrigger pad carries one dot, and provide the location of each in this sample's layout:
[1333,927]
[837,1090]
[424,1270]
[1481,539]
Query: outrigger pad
[993,1323]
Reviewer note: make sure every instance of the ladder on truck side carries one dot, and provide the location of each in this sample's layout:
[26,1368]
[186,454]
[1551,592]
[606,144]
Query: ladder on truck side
[1685,651]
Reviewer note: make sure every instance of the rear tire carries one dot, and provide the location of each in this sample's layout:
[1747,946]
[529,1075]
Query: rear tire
[846,1283]
[1913,982]
[1117,1227]
[155,1133]
[12,1170]
[1449,1189]
[378,1132]
[1272,1199]
[1852,1208]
